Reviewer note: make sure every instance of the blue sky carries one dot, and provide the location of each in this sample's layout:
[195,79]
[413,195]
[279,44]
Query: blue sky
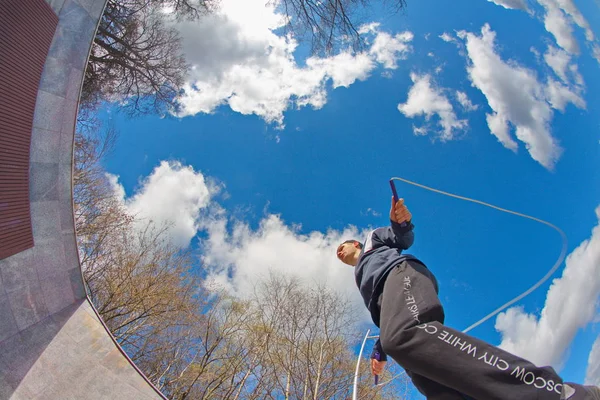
[276,158]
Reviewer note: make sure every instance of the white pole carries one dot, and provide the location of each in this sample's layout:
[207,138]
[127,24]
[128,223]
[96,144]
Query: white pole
[355,389]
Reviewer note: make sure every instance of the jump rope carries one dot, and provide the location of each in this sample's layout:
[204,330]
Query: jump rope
[550,272]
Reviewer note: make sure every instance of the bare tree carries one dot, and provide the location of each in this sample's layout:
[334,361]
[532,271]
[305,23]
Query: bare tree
[327,24]
[136,58]
[139,282]
[97,211]
[287,340]
[306,343]
[211,357]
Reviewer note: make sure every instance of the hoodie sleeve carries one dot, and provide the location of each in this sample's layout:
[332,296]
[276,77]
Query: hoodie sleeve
[396,236]
[378,353]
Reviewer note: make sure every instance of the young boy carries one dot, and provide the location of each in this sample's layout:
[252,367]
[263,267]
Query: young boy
[401,294]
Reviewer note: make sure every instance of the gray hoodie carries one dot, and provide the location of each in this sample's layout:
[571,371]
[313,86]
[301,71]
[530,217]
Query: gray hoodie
[382,251]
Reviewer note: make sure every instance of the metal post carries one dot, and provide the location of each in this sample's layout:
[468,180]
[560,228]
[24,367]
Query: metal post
[354,390]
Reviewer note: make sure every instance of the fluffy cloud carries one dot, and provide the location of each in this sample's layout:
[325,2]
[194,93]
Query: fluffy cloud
[446,37]
[426,99]
[517,98]
[558,60]
[558,18]
[592,375]
[465,102]
[238,60]
[511,4]
[570,305]
[238,256]
[387,49]
[596,52]
[172,195]
[234,255]
[556,22]
[571,87]
[571,10]
[559,95]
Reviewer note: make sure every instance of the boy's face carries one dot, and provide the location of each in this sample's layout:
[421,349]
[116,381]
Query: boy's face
[346,253]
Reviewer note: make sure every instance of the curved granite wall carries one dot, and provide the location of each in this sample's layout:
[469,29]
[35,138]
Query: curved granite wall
[52,343]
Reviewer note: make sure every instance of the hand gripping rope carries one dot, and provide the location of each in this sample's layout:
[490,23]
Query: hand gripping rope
[552,270]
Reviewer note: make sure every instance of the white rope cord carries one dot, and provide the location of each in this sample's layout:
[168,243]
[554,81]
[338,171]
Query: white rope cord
[552,270]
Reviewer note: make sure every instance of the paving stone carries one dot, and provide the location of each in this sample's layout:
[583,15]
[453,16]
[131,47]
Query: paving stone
[8,325]
[69,117]
[74,83]
[64,184]
[76,18]
[93,7]
[45,220]
[66,148]
[57,291]
[70,46]
[45,146]
[77,284]
[56,5]
[18,272]
[43,181]
[27,304]
[48,111]
[49,257]
[55,77]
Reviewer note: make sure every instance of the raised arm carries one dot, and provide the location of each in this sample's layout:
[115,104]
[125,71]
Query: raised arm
[395,236]
[402,227]
[398,235]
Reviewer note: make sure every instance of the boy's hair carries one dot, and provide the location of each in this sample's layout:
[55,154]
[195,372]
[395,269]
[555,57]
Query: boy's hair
[360,246]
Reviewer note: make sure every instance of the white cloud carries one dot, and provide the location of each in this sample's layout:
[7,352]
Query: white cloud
[465,102]
[446,37]
[516,97]
[238,256]
[558,19]
[511,4]
[571,304]
[371,212]
[577,76]
[559,61]
[571,10]
[117,188]
[559,95]
[592,375]
[596,52]
[419,130]
[172,195]
[343,69]
[387,49]
[239,61]
[426,99]
[558,25]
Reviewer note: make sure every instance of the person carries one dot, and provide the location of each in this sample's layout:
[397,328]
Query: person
[401,294]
